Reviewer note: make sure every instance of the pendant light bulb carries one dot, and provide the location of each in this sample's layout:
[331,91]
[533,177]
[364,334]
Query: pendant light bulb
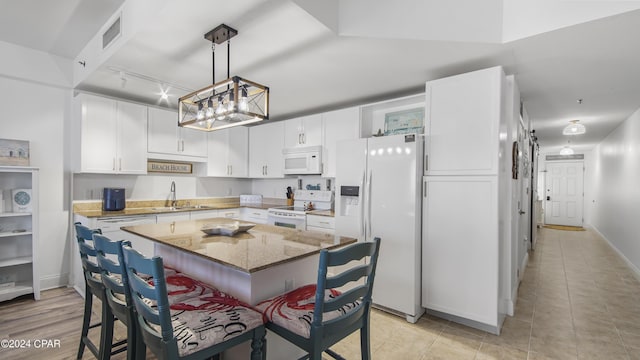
[220,109]
[243,105]
[209,112]
[231,103]
[200,115]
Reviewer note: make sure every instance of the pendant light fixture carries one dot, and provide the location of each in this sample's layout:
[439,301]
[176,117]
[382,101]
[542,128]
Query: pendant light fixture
[231,102]
[574,128]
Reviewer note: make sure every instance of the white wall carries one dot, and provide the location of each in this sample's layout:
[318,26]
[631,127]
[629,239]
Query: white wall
[277,188]
[616,199]
[35,98]
[156,187]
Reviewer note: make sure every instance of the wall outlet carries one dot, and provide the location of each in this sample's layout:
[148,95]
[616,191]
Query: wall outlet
[288,285]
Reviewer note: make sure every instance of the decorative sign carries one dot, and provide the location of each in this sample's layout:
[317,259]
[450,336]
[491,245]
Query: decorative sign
[169,167]
[21,199]
[14,152]
[404,122]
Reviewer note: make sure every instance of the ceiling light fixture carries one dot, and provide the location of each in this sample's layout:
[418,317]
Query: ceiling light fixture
[574,128]
[215,107]
[566,150]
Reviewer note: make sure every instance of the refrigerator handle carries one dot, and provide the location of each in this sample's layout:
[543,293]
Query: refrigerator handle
[369,201]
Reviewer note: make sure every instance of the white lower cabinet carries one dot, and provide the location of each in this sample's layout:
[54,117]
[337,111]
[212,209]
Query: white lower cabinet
[230,213]
[169,218]
[258,216]
[204,214]
[110,227]
[18,232]
[460,248]
[320,223]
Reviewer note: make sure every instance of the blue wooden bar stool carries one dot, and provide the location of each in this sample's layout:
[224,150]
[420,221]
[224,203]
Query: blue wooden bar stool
[114,279]
[315,317]
[198,327]
[94,287]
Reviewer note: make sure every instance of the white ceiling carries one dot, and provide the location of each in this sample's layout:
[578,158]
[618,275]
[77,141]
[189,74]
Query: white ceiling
[349,52]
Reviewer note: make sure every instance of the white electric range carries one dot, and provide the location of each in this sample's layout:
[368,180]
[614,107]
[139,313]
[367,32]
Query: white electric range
[295,216]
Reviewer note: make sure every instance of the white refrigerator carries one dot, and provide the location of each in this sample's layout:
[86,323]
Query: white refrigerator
[378,194]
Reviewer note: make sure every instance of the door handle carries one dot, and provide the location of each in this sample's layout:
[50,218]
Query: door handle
[548,198]
[522,212]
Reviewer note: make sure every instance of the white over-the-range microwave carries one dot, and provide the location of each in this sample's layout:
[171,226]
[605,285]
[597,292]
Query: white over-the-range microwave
[303,160]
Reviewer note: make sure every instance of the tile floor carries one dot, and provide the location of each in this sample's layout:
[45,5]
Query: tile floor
[578,300]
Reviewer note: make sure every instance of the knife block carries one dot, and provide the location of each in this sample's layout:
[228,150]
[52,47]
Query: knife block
[289,202]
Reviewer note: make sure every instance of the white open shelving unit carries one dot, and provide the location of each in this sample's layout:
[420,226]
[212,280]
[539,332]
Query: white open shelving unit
[18,235]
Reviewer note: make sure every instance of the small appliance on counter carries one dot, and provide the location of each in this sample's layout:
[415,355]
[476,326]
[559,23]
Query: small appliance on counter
[113,199]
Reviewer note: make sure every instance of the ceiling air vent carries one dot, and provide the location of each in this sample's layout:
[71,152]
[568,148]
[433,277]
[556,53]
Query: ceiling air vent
[111,34]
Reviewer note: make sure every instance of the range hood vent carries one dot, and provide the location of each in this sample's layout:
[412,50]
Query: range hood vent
[112,33]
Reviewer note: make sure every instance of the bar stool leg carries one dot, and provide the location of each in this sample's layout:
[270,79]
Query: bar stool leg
[88,302]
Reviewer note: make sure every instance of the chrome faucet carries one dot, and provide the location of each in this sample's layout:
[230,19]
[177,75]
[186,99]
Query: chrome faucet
[172,196]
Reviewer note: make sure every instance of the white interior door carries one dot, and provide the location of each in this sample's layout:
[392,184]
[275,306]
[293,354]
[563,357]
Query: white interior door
[564,193]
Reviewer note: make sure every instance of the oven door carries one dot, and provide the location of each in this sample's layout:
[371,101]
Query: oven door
[288,220]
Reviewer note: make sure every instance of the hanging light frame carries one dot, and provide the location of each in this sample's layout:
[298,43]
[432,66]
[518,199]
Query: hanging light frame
[574,128]
[231,102]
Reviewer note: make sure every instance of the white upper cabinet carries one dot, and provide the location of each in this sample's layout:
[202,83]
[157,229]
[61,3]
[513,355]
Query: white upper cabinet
[303,131]
[463,115]
[265,150]
[112,134]
[169,141]
[338,125]
[228,152]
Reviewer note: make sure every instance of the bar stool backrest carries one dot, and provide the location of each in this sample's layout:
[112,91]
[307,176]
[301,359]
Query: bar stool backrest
[88,255]
[154,312]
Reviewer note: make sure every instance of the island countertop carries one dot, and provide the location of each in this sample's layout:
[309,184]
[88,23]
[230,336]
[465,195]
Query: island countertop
[259,248]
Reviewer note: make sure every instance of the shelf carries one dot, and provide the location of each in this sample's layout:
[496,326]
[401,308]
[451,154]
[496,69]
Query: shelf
[12,292]
[14,214]
[11,233]
[15,261]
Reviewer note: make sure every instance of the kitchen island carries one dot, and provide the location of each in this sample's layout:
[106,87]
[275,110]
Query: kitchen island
[255,265]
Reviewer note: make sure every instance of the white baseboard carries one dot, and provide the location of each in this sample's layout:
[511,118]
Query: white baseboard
[54,281]
[634,269]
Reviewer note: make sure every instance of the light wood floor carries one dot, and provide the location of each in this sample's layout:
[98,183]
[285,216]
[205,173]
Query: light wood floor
[578,300]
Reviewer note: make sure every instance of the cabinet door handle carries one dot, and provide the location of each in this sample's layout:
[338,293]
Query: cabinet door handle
[230,169]
[266,169]
[182,145]
[424,189]
[120,164]
[304,138]
[114,165]
[426,162]
[299,138]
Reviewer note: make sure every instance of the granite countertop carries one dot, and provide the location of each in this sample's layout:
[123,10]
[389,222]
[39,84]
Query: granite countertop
[259,248]
[94,209]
